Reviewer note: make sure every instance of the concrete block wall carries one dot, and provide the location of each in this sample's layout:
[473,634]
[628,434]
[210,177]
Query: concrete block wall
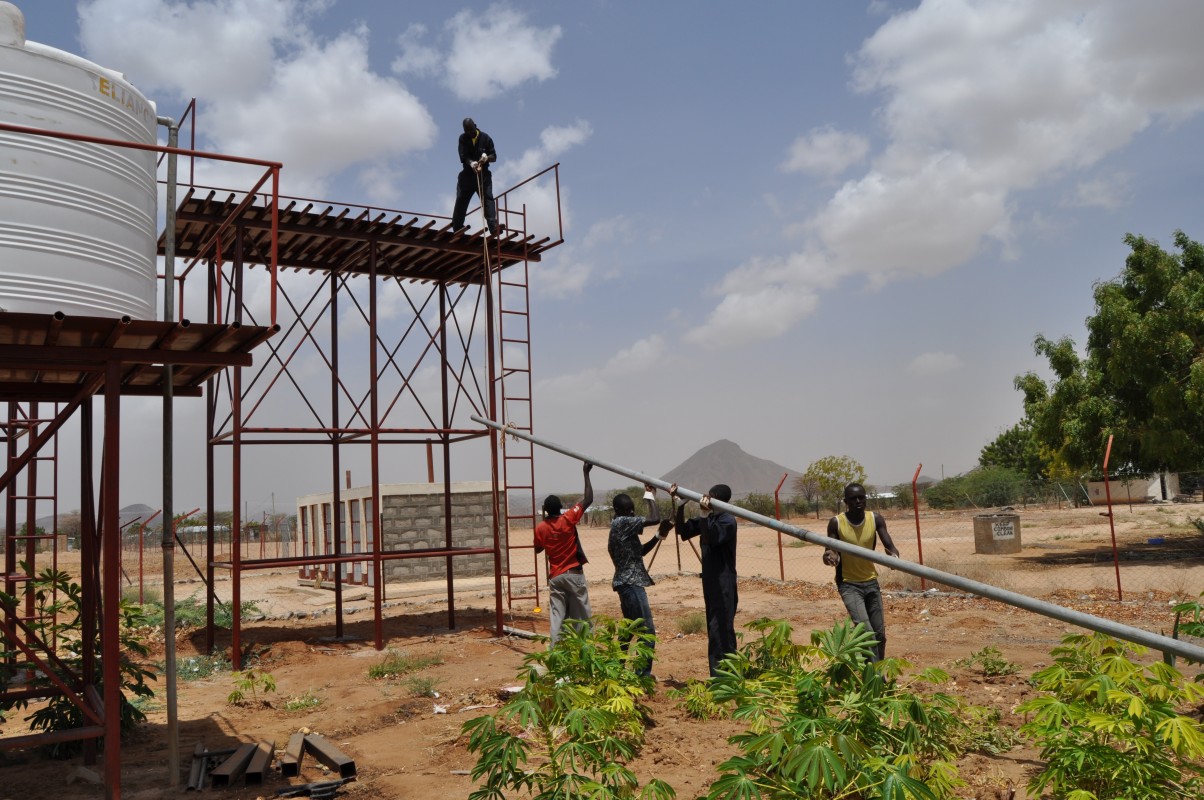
[412,519]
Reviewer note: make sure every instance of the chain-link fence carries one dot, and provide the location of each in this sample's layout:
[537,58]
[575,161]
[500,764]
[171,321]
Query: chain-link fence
[1143,550]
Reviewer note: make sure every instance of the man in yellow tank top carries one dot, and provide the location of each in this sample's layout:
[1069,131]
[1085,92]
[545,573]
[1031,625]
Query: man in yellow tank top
[856,577]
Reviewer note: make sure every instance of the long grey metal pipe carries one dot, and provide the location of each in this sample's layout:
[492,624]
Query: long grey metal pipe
[1118,630]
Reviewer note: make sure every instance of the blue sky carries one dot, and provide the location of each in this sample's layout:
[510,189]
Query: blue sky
[812,228]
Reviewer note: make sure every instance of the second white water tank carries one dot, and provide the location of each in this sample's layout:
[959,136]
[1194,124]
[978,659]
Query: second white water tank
[78,226]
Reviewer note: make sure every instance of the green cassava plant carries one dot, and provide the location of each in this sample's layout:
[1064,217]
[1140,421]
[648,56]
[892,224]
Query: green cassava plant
[58,603]
[1189,617]
[249,685]
[825,722]
[579,718]
[1110,727]
[696,698]
[989,662]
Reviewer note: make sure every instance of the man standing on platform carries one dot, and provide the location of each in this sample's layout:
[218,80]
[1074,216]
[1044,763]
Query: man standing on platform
[476,152]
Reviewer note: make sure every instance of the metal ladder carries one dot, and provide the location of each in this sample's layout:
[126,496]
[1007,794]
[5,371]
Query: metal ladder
[518,455]
[21,543]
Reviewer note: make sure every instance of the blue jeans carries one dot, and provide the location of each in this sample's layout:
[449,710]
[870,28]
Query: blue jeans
[863,601]
[633,600]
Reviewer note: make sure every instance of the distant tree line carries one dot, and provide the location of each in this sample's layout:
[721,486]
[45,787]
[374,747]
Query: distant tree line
[1139,381]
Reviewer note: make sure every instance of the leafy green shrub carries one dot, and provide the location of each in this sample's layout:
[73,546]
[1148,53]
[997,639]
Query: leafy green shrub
[903,496]
[396,663]
[697,700]
[825,722]
[422,686]
[1111,728]
[1190,617]
[576,722]
[758,503]
[981,487]
[984,733]
[1199,523]
[190,612]
[149,594]
[989,662]
[306,701]
[253,682]
[58,603]
[694,622]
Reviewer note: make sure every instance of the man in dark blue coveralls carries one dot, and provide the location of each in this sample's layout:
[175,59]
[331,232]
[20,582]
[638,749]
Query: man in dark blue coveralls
[718,532]
[476,152]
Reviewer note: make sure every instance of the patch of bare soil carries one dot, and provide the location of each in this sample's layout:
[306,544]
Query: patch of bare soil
[406,744]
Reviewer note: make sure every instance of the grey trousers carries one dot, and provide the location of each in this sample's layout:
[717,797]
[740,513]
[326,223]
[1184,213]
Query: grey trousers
[863,601]
[568,597]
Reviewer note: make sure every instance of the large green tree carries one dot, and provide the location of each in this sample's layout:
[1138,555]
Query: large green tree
[829,475]
[1016,449]
[1142,378]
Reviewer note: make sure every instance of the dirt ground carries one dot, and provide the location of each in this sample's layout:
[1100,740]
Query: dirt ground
[407,745]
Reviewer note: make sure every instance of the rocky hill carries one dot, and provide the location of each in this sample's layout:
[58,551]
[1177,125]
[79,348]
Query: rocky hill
[725,462]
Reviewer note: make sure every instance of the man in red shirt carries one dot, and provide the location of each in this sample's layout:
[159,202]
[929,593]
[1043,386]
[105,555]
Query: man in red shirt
[557,534]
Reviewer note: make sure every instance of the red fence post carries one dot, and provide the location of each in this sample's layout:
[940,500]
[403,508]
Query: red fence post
[1111,520]
[777,510]
[915,505]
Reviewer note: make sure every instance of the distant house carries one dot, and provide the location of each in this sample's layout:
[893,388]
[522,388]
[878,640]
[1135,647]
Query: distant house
[1135,489]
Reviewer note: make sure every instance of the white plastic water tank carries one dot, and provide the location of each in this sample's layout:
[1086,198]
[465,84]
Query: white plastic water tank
[77,220]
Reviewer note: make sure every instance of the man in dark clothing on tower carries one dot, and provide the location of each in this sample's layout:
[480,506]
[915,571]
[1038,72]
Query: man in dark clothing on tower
[476,152]
[718,532]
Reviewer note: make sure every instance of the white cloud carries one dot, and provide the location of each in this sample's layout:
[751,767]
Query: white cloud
[607,231]
[638,359]
[764,298]
[547,214]
[982,99]
[496,51]
[223,48]
[929,364]
[919,223]
[563,275]
[1107,191]
[744,317]
[570,269]
[485,55]
[256,66]
[825,151]
[416,58]
[351,114]
[554,140]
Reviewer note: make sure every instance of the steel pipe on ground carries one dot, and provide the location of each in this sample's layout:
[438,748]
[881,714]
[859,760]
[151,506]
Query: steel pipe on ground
[1118,630]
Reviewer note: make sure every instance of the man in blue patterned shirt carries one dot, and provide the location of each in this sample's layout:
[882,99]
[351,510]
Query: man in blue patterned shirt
[627,553]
